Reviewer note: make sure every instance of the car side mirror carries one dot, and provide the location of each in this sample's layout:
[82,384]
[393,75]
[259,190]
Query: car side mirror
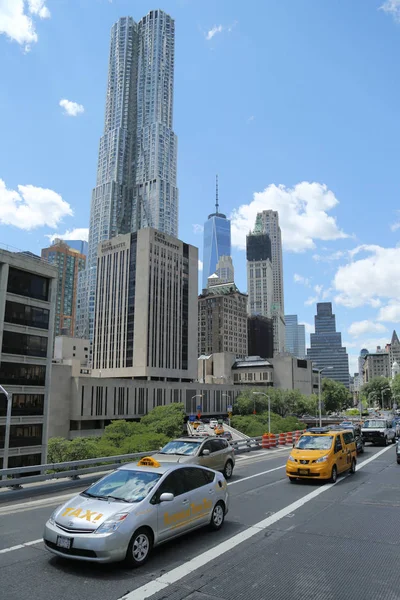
[166,497]
[205,453]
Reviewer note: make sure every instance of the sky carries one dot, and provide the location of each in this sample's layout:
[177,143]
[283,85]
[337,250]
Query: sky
[294,103]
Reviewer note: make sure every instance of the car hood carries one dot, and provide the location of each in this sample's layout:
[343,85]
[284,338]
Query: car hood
[87,514]
[308,454]
[173,458]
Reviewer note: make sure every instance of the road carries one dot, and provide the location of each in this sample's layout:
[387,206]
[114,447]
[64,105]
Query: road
[279,541]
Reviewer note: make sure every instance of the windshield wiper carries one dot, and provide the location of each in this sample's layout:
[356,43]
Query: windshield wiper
[88,494]
[105,497]
[119,499]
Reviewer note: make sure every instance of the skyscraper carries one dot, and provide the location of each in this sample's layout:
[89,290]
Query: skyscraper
[267,222]
[295,341]
[326,345]
[260,286]
[136,172]
[216,240]
[69,263]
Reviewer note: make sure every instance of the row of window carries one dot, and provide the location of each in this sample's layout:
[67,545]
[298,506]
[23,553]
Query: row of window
[28,284]
[22,435]
[21,343]
[22,374]
[23,404]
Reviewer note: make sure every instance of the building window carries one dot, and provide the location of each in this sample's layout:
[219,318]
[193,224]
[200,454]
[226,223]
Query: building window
[20,343]
[27,284]
[23,404]
[21,374]
[22,435]
[30,316]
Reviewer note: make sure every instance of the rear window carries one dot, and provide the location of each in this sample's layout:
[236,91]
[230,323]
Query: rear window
[348,437]
[374,424]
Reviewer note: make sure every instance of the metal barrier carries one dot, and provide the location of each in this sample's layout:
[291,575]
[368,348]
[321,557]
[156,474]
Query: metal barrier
[11,478]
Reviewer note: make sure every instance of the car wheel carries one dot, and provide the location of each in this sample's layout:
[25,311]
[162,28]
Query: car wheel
[353,466]
[228,469]
[292,479]
[398,461]
[394,440]
[217,516]
[139,548]
[385,443]
[334,474]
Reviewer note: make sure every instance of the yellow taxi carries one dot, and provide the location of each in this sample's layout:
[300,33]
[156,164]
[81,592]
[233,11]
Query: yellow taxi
[196,424]
[322,453]
[219,430]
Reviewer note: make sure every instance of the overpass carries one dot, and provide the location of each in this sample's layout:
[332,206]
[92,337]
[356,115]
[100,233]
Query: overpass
[279,541]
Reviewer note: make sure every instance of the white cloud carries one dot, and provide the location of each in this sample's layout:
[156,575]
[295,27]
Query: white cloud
[329,257]
[31,207]
[353,364]
[250,119]
[200,265]
[309,327]
[197,228]
[395,226]
[303,215]
[218,29]
[351,344]
[367,280]
[71,234]
[392,7]
[213,31]
[321,294]
[390,313]
[303,280]
[72,109]
[359,328]
[16,20]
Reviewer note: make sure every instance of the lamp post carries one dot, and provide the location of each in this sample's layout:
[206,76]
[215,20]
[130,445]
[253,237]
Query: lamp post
[269,407]
[319,393]
[7,431]
[227,396]
[196,396]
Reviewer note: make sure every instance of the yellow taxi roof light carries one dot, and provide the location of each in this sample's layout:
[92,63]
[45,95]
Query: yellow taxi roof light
[148,461]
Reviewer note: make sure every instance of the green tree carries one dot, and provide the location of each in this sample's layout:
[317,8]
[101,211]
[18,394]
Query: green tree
[334,395]
[57,450]
[82,449]
[377,391]
[168,420]
[144,442]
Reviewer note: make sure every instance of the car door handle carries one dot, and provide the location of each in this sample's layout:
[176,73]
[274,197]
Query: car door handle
[185,501]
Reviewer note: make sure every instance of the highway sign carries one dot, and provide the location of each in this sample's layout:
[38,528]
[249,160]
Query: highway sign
[198,408]
[229,408]
[192,418]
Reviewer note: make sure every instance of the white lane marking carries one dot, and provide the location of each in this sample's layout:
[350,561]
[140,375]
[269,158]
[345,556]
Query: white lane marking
[257,526]
[256,475]
[5,550]
[155,586]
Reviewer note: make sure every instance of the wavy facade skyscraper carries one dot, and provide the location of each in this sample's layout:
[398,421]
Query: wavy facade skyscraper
[136,171]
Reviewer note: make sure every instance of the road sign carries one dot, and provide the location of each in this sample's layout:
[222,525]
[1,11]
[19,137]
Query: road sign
[229,408]
[198,408]
[192,418]
[198,415]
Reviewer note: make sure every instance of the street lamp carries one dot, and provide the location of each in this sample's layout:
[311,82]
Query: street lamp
[269,407]
[8,427]
[227,396]
[319,392]
[196,396]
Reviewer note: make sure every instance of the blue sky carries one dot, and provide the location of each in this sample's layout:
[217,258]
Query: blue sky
[294,103]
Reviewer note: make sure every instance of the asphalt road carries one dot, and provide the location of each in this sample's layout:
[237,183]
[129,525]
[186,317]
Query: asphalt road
[279,541]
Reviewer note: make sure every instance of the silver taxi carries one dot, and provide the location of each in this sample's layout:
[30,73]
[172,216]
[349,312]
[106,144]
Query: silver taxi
[138,506]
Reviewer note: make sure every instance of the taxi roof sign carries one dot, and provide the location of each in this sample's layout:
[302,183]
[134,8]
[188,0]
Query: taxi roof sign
[148,461]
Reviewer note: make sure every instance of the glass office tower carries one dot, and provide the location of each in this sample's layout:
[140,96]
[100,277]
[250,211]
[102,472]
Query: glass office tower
[216,240]
[326,346]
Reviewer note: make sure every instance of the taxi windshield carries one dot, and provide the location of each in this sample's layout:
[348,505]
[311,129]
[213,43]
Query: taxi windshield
[315,442]
[373,423]
[181,447]
[124,485]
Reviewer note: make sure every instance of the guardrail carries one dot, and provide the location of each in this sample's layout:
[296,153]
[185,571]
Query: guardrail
[16,477]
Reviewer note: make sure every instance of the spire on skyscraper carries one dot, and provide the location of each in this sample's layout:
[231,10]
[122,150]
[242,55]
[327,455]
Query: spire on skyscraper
[216,195]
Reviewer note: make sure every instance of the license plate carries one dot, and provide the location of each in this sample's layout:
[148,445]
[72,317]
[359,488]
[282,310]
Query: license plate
[303,471]
[64,542]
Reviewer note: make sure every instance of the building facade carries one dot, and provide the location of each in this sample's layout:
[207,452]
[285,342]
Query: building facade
[146,307]
[260,333]
[295,340]
[28,290]
[326,346]
[225,270]
[69,263]
[267,222]
[394,350]
[216,240]
[223,320]
[137,164]
[80,245]
[260,282]
[376,365]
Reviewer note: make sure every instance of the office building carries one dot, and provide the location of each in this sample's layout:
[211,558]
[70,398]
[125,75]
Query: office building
[146,308]
[376,364]
[216,240]
[295,341]
[267,222]
[260,333]
[223,320]
[136,173]
[260,283]
[326,346]
[79,245]
[28,290]
[394,350]
[69,263]
[361,359]
[225,270]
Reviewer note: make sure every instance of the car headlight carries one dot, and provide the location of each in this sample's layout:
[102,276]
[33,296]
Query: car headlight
[292,458]
[322,459]
[52,519]
[112,523]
